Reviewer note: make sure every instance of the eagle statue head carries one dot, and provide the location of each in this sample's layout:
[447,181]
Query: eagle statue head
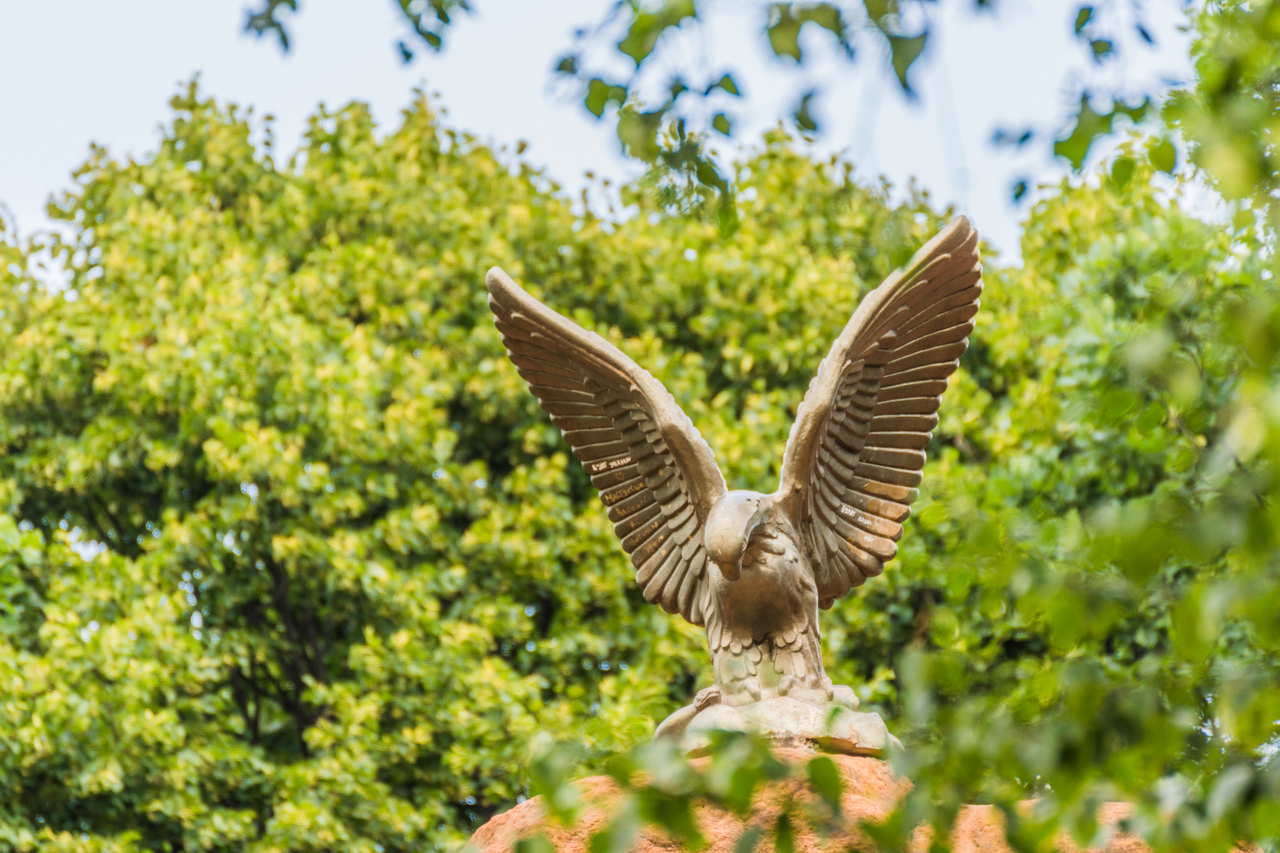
[732,520]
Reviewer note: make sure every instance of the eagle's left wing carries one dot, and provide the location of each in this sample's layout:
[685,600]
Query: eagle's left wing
[856,450]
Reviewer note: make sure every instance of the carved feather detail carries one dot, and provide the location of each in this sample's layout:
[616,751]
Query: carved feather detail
[657,477]
[857,449]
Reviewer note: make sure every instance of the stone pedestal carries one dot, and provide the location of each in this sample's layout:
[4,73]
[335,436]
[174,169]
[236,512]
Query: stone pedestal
[792,724]
[870,792]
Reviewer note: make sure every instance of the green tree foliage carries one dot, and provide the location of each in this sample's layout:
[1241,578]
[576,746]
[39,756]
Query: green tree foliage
[1227,116]
[346,568]
[290,559]
[1085,607]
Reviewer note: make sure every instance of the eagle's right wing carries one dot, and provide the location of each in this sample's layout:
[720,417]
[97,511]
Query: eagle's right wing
[656,474]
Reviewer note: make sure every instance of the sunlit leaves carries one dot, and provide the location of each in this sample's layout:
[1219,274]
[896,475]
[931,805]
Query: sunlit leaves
[725,83]
[787,20]
[904,48]
[1083,16]
[825,779]
[265,20]
[803,114]
[660,788]
[1122,170]
[1091,125]
[600,94]
[638,132]
[1228,115]
[1164,156]
[1216,115]
[648,26]
[429,19]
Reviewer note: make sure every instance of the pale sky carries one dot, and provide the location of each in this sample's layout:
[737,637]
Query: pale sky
[77,72]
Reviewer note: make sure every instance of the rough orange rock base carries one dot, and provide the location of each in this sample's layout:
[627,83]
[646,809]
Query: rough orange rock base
[870,792]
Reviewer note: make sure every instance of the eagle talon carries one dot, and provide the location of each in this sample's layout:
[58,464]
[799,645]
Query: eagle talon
[842,694]
[707,697]
[742,692]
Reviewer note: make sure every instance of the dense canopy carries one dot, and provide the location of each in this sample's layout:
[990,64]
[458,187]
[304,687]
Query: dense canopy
[290,558]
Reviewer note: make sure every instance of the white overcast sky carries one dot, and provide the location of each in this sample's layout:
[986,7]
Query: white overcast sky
[74,72]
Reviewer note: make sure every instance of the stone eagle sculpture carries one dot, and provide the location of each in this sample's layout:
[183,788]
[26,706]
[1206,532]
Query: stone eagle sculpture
[755,569]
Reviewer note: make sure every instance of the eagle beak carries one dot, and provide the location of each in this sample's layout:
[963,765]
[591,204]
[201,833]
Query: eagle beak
[728,529]
[730,571]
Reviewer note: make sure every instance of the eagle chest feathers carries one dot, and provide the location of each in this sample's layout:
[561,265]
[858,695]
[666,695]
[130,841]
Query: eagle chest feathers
[774,594]
[753,568]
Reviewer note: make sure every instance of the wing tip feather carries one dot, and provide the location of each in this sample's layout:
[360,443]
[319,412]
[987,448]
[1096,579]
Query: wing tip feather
[496,280]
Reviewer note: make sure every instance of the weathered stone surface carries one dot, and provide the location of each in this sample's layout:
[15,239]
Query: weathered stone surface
[790,723]
[980,829]
[871,790]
